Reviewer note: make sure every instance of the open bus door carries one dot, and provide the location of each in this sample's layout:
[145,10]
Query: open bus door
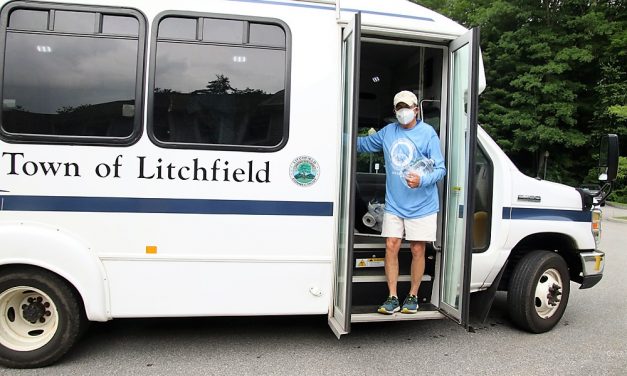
[463,64]
[340,313]
[461,139]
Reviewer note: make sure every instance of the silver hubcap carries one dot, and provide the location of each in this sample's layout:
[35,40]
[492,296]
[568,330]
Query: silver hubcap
[548,293]
[28,318]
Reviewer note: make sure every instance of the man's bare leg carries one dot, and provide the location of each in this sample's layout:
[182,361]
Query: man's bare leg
[417,265]
[392,246]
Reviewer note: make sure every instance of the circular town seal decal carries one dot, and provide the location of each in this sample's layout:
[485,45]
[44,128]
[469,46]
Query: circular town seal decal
[304,171]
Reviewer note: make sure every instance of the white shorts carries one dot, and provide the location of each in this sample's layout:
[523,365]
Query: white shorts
[417,229]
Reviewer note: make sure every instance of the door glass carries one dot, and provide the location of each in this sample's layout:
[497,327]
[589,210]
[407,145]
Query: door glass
[340,317]
[457,161]
[344,231]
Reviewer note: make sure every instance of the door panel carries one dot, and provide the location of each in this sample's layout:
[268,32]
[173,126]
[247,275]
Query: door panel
[340,316]
[461,143]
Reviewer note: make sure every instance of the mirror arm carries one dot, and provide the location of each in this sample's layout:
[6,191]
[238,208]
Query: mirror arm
[603,195]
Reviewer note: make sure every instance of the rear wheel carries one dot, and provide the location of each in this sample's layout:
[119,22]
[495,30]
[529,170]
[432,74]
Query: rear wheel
[538,291]
[40,318]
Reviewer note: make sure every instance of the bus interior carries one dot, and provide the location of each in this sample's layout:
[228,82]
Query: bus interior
[387,67]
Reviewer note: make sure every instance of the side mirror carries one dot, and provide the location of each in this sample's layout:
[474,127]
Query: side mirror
[608,158]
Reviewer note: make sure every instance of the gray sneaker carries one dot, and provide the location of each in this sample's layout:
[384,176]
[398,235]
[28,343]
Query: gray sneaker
[390,306]
[410,305]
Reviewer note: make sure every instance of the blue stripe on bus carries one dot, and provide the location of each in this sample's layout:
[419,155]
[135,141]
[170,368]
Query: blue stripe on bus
[164,205]
[323,7]
[388,14]
[538,214]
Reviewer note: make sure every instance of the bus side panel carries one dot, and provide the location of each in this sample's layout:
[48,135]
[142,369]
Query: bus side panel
[179,257]
[228,288]
[124,201]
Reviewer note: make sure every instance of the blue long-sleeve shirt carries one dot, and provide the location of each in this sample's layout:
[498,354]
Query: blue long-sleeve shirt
[401,149]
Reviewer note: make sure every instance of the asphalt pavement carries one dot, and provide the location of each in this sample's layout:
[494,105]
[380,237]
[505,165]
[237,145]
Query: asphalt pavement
[590,339]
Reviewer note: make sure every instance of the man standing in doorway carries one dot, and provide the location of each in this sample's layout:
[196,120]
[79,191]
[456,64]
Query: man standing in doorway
[413,164]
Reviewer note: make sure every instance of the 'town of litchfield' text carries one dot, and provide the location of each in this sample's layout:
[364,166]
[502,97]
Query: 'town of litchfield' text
[146,168]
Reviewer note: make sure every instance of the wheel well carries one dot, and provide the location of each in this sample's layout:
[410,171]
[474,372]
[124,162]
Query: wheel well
[26,267]
[562,244]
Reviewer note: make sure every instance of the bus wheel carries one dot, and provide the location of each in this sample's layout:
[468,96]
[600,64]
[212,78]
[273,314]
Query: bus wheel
[40,318]
[538,291]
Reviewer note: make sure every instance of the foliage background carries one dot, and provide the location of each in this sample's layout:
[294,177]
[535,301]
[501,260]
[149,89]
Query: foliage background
[556,75]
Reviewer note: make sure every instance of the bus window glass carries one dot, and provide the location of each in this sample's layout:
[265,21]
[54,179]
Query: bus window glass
[75,22]
[213,94]
[120,25]
[69,85]
[267,35]
[219,95]
[483,201]
[177,28]
[223,31]
[29,19]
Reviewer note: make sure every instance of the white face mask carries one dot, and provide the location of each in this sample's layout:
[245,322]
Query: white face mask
[405,116]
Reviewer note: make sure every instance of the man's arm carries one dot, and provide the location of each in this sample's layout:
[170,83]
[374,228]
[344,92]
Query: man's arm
[370,144]
[438,167]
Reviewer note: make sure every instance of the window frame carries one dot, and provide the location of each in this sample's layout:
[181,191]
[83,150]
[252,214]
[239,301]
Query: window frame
[482,150]
[25,138]
[152,70]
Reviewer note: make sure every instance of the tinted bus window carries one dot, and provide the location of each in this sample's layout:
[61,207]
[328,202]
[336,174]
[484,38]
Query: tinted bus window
[75,22]
[178,28]
[29,19]
[225,31]
[215,94]
[78,84]
[120,25]
[267,35]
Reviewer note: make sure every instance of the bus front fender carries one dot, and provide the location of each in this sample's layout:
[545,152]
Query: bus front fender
[50,248]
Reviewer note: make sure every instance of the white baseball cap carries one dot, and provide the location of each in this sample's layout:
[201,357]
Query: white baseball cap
[406,97]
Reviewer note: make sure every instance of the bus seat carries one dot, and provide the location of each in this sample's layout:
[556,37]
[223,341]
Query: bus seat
[480,230]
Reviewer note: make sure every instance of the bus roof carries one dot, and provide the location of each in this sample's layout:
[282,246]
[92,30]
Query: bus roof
[402,16]
[394,14]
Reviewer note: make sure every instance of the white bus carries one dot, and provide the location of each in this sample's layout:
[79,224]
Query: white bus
[197,158]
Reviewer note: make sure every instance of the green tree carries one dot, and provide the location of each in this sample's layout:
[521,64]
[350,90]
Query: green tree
[556,76]
[221,85]
[620,185]
[304,169]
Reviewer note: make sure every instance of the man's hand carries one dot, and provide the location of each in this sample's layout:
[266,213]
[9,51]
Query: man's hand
[413,180]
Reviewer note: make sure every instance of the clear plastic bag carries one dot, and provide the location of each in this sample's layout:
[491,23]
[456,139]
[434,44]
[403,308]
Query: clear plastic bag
[421,168]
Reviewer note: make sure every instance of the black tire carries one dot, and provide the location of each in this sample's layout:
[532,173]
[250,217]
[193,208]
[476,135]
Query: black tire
[64,325]
[528,311]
